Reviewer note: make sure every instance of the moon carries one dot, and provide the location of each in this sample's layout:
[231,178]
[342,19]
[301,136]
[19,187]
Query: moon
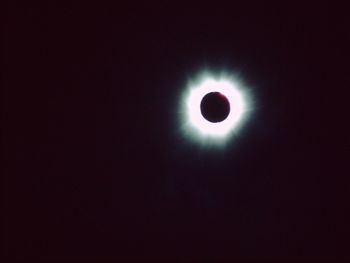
[215,107]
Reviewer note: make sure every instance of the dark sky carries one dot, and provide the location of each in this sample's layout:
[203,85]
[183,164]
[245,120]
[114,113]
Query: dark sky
[96,166]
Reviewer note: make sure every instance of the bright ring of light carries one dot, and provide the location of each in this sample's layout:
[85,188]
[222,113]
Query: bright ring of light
[219,129]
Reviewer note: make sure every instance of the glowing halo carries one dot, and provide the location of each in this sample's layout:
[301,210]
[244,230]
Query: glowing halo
[196,126]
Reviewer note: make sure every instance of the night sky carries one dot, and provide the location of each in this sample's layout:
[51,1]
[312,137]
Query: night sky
[96,164]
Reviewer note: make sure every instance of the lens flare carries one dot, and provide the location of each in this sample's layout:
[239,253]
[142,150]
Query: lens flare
[195,126]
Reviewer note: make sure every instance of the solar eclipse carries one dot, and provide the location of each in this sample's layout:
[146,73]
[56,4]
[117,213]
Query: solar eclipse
[213,108]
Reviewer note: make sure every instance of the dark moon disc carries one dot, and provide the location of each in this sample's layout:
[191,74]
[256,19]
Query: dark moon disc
[215,107]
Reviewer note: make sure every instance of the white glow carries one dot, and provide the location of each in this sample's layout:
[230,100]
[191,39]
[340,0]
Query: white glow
[197,127]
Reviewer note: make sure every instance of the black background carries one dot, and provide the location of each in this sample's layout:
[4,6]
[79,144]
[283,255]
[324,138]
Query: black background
[95,163]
